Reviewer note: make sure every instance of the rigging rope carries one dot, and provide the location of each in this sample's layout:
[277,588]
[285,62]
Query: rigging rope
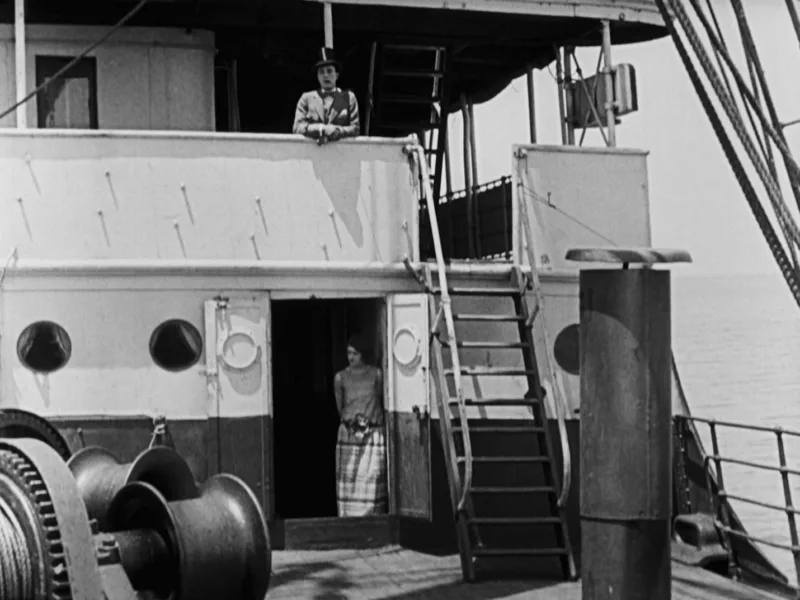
[773,190]
[750,194]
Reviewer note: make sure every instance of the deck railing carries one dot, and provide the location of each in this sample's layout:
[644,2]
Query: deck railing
[719,495]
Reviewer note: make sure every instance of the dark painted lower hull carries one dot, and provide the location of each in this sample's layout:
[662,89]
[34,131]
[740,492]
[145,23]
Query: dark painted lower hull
[243,447]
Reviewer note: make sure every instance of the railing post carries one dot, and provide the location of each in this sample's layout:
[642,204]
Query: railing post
[327,19]
[790,509]
[722,503]
[20,48]
[626,425]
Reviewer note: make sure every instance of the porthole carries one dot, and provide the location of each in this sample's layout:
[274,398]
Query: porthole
[566,350]
[44,347]
[176,345]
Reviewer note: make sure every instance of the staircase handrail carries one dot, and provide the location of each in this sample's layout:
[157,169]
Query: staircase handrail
[559,401]
[418,153]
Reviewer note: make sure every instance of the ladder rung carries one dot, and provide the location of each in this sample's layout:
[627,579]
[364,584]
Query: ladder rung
[479,291]
[492,371]
[483,317]
[420,73]
[513,490]
[501,429]
[488,344]
[516,521]
[421,125]
[408,99]
[495,401]
[505,459]
[414,47]
[501,552]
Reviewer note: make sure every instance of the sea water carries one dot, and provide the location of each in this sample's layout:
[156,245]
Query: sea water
[736,340]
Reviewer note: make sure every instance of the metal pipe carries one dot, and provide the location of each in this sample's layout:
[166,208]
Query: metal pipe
[473,150]
[468,178]
[370,87]
[608,70]
[448,186]
[568,50]
[561,108]
[19,54]
[328,23]
[626,477]
[531,104]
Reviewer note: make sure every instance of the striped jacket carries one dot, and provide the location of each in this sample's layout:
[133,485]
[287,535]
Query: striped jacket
[311,114]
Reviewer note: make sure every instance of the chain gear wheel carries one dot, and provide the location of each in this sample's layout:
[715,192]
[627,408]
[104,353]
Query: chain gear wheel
[47,564]
[18,423]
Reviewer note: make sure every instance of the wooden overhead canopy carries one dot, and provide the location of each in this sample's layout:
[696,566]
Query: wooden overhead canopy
[631,11]
[275,41]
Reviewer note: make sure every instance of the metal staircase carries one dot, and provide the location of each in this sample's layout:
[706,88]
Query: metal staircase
[513,491]
[504,501]
[408,86]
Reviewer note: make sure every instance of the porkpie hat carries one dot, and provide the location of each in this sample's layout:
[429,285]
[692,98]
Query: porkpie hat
[326,56]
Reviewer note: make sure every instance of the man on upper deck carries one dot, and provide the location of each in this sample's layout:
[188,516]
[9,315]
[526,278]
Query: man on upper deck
[329,113]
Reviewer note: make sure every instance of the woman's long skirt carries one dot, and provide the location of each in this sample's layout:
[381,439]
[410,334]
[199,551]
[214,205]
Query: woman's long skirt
[361,486]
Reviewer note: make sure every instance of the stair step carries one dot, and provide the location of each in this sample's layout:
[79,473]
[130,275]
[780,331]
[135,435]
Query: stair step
[483,317]
[500,429]
[513,490]
[419,73]
[506,552]
[495,402]
[492,371]
[488,344]
[479,291]
[505,459]
[516,521]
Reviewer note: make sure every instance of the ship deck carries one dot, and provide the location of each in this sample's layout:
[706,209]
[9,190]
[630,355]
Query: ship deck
[396,573]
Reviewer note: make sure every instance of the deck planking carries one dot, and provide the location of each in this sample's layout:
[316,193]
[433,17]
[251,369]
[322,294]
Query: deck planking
[394,573]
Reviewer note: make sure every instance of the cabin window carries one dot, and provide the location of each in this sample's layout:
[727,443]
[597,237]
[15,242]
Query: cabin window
[176,345]
[44,347]
[70,102]
[566,351]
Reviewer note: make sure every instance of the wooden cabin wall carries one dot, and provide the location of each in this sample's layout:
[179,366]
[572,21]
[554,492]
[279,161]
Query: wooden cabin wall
[147,78]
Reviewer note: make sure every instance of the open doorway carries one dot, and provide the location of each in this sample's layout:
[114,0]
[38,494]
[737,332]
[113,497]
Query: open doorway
[309,340]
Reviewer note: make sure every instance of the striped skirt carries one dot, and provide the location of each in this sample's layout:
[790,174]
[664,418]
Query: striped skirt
[361,486]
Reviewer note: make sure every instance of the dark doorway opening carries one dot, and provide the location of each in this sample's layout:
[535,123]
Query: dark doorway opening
[309,340]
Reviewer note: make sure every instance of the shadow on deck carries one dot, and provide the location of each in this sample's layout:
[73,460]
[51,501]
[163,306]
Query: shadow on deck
[397,574]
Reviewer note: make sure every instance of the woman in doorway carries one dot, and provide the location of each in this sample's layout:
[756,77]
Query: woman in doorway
[361,487]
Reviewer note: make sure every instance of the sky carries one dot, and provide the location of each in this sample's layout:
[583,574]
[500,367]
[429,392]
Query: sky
[696,203]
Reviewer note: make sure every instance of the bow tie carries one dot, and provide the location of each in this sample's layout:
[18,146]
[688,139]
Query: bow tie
[326,94]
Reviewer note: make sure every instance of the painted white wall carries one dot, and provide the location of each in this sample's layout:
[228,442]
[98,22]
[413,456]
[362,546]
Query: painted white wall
[104,195]
[110,371]
[581,197]
[147,78]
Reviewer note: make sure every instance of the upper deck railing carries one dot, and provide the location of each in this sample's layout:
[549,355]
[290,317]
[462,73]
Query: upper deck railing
[136,195]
